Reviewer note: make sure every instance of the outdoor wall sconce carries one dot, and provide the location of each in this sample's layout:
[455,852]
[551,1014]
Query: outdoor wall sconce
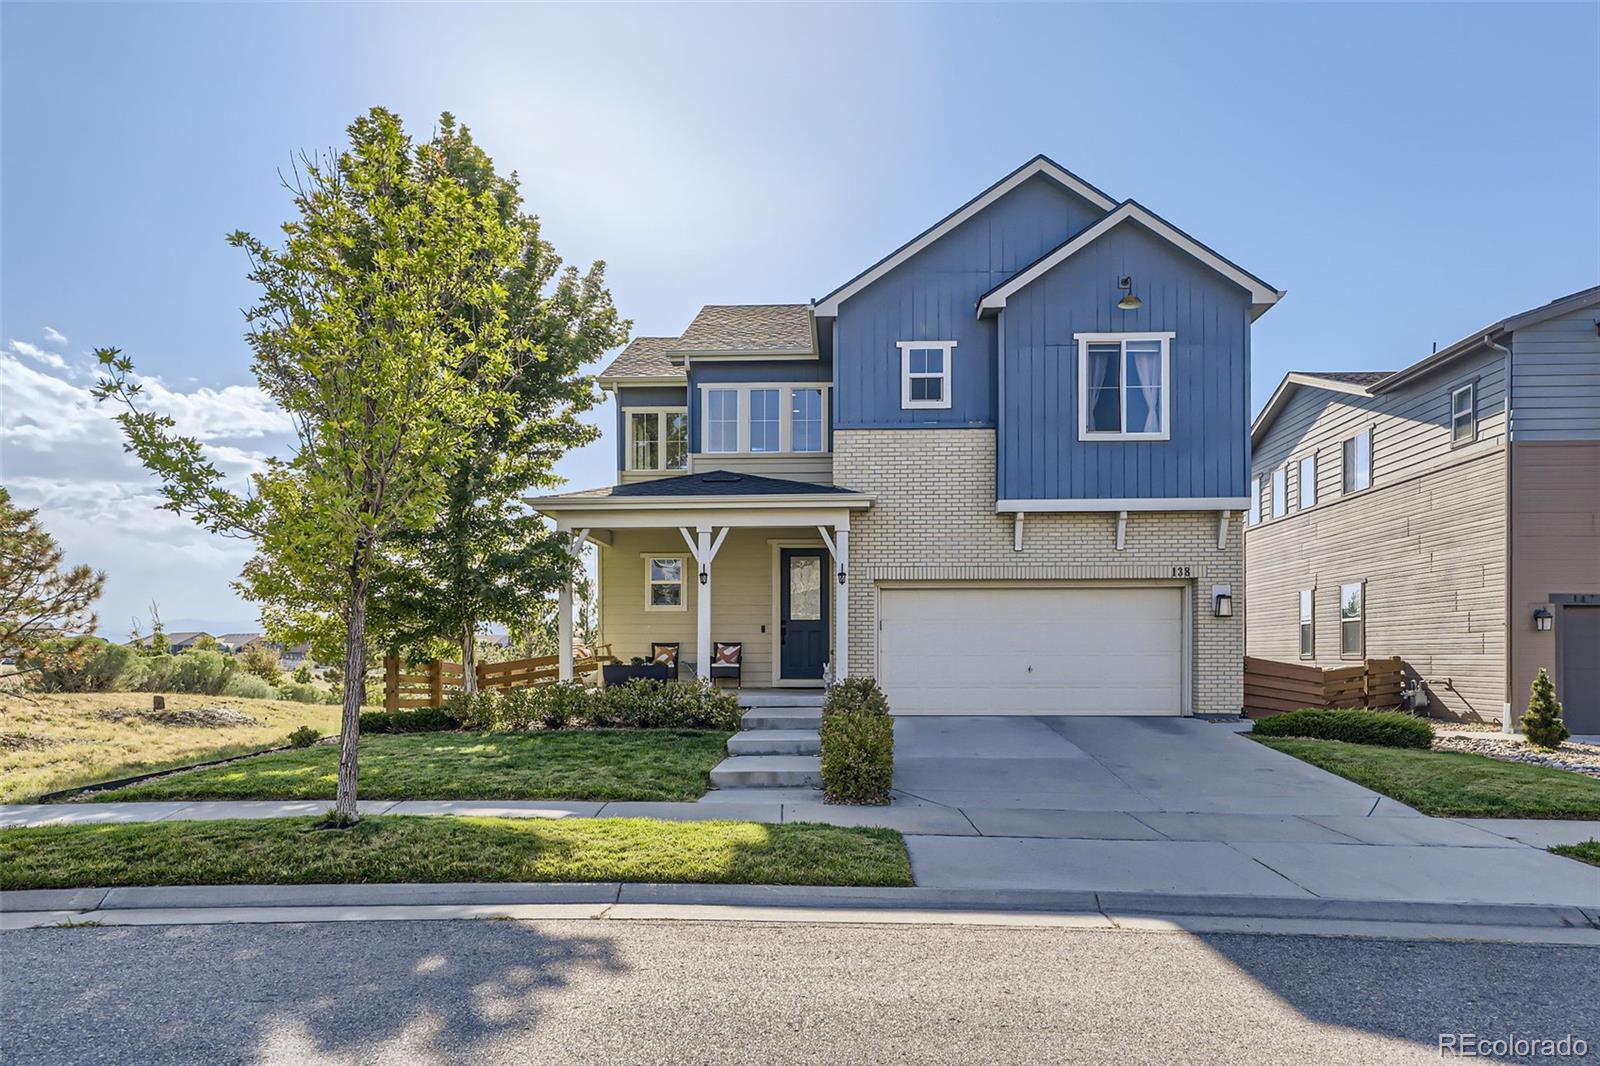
[1543,620]
[841,575]
[1130,302]
[1222,602]
[705,576]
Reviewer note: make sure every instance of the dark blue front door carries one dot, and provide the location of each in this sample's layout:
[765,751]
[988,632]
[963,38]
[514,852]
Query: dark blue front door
[803,612]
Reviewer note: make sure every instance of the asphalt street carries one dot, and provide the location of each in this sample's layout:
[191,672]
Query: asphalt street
[593,991]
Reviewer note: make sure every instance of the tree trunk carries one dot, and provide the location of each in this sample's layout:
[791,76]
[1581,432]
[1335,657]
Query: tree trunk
[469,658]
[355,686]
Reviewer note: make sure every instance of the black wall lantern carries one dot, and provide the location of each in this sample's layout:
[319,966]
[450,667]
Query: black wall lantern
[841,575]
[1543,620]
[705,576]
[1222,602]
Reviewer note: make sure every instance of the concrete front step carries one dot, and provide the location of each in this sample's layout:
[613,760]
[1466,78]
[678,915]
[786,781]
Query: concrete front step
[780,697]
[768,771]
[763,718]
[775,742]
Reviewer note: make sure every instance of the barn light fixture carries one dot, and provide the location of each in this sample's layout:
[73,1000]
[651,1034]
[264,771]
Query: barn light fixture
[1543,620]
[1130,302]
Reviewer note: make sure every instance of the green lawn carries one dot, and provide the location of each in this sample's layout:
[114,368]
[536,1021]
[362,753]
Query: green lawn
[1453,784]
[1588,851]
[583,764]
[443,849]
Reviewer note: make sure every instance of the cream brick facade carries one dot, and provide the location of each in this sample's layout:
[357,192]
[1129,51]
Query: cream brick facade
[933,519]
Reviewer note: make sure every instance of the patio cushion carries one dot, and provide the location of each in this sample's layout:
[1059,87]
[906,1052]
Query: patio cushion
[664,655]
[728,654]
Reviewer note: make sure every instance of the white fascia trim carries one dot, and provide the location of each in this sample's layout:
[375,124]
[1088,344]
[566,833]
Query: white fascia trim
[1164,503]
[852,501]
[737,356]
[1260,295]
[828,306]
[630,383]
[1294,380]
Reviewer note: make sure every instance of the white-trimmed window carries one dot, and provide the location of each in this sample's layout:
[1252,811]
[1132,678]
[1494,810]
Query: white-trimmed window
[1308,628]
[1353,620]
[805,420]
[764,419]
[1464,414]
[764,422]
[1280,492]
[664,583]
[1308,482]
[1253,516]
[722,420]
[658,438]
[925,373]
[1124,388]
[1358,462]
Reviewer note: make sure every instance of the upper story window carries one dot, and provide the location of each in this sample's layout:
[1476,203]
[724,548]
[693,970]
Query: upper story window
[1123,386]
[925,373]
[1280,492]
[1253,516]
[1353,620]
[1308,482]
[658,439]
[722,420]
[1358,462]
[1464,414]
[775,418]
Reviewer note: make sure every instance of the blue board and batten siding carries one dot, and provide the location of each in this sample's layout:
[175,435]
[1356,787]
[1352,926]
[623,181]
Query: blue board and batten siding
[932,297]
[1208,455]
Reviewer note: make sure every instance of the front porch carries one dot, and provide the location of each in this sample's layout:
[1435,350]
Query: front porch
[718,558]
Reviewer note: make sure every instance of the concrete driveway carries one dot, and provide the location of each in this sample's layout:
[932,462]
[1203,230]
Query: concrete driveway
[1182,765]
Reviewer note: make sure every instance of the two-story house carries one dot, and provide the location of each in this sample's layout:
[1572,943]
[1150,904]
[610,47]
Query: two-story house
[1447,513]
[1003,469]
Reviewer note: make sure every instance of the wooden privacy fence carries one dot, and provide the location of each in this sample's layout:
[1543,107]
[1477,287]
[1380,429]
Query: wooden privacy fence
[429,684]
[1273,687]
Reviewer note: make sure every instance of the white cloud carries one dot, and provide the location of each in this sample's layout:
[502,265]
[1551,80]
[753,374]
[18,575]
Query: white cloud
[38,354]
[55,337]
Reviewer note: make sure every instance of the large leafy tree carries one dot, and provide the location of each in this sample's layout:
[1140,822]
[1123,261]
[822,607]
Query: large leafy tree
[381,329]
[490,559]
[39,599]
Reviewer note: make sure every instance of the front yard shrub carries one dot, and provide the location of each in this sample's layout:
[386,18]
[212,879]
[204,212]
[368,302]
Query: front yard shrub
[857,743]
[645,704]
[1542,725]
[304,737]
[420,720]
[560,705]
[249,686]
[476,711]
[1387,729]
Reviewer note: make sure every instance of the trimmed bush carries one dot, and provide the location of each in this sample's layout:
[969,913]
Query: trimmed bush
[558,706]
[249,686]
[645,704]
[304,737]
[420,720]
[857,743]
[1542,725]
[477,711]
[1385,729]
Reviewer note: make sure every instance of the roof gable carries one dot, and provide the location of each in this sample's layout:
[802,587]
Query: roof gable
[1262,295]
[1351,383]
[828,306]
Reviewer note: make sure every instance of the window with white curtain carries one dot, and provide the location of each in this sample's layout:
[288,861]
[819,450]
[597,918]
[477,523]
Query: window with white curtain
[1124,390]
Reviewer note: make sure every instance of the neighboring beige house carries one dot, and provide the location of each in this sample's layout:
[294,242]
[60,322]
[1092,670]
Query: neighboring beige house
[1447,513]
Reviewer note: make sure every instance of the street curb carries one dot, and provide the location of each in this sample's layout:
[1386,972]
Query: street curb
[88,902]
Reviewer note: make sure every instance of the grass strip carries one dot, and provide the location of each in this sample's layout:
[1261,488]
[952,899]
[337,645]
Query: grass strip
[1587,851]
[391,849]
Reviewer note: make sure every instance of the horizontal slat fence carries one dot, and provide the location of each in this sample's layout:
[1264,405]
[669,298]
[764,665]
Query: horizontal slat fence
[1275,688]
[429,684]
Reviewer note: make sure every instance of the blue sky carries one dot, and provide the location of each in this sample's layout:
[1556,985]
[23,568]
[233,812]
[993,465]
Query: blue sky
[1406,172]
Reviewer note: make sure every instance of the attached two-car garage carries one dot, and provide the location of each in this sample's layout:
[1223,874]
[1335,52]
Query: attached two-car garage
[1032,649]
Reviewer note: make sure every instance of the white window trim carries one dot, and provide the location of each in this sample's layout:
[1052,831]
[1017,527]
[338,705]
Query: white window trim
[1360,618]
[661,414]
[1280,499]
[683,596]
[1086,339]
[906,348]
[785,415]
[1471,389]
[1301,482]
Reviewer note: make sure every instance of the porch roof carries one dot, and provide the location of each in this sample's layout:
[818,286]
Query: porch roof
[714,488]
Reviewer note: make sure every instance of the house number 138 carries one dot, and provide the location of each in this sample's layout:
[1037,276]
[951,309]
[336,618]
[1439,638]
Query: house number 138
[1183,571]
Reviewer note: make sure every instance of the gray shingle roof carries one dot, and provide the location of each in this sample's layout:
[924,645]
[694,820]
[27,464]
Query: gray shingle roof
[645,357]
[777,328]
[1351,377]
[707,483]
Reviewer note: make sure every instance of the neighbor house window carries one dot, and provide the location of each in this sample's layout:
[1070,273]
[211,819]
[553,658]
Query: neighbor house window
[663,583]
[658,440]
[805,420]
[1463,414]
[1358,462]
[1353,620]
[1123,386]
[1253,517]
[1308,482]
[722,420]
[1308,633]
[1280,492]
[925,373]
[764,420]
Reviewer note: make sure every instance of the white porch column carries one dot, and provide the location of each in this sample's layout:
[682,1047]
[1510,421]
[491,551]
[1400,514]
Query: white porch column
[702,647]
[841,620]
[564,606]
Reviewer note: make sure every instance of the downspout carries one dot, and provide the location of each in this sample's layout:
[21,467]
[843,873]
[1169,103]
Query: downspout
[1505,713]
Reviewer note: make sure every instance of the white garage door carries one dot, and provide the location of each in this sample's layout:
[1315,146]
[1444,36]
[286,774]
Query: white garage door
[1020,650]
